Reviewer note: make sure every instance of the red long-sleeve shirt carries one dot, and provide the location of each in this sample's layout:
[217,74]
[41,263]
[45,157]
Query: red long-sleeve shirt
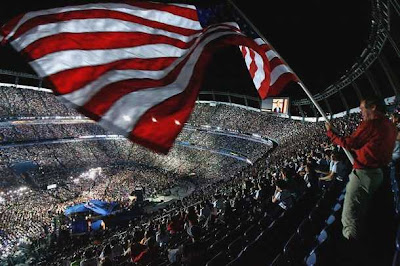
[373,142]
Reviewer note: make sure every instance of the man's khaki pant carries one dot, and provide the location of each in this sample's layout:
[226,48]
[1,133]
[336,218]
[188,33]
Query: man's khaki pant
[359,190]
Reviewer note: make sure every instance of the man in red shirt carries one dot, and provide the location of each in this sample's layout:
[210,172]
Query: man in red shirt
[372,143]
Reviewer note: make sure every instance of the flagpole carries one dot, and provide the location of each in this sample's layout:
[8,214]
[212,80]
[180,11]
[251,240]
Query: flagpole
[349,155]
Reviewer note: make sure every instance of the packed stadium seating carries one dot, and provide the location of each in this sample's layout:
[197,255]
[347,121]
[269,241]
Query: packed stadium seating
[243,227]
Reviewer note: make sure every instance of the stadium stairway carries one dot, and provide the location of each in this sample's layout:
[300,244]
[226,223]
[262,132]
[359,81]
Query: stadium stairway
[313,230]
[381,243]
[268,241]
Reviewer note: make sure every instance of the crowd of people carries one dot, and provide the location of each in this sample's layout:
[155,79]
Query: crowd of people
[304,161]
[29,103]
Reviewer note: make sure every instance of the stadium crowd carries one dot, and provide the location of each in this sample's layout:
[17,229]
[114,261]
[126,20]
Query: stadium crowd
[227,192]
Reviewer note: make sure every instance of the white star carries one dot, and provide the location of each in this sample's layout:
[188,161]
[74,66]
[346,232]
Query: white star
[126,118]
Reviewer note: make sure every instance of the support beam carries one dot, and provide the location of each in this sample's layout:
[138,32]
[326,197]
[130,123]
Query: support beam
[396,6]
[394,45]
[393,81]
[314,111]
[373,83]
[344,102]
[357,90]
[301,112]
[328,106]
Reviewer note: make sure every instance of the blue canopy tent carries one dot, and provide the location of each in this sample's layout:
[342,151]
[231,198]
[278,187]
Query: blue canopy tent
[98,206]
[76,209]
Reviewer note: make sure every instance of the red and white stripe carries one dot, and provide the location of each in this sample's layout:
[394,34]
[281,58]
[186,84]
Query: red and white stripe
[134,68]
[281,74]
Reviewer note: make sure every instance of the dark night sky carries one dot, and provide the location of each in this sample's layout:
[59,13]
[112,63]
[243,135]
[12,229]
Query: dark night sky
[319,40]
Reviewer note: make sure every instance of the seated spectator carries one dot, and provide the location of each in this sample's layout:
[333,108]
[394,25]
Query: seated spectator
[286,174]
[212,219]
[322,163]
[218,202]
[175,225]
[301,168]
[261,193]
[205,210]
[135,249]
[106,261]
[282,199]
[194,253]
[75,261]
[146,236]
[326,163]
[228,213]
[191,217]
[310,178]
[127,246]
[116,249]
[106,252]
[337,170]
[149,253]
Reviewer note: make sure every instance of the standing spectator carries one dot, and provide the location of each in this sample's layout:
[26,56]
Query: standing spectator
[373,143]
[162,236]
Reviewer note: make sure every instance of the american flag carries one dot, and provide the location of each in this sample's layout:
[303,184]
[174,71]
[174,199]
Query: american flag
[280,72]
[134,67]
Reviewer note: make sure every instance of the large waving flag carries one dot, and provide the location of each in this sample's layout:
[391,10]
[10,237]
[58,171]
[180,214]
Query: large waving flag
[134,67]
[281,74]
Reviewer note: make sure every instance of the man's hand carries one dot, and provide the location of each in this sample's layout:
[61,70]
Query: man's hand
[328,126]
